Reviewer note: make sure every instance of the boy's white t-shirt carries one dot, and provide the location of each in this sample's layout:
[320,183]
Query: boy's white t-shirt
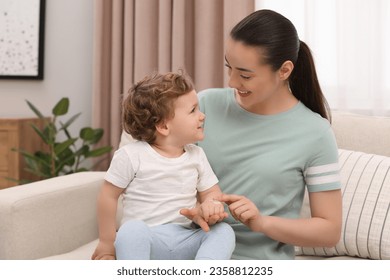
[156,187]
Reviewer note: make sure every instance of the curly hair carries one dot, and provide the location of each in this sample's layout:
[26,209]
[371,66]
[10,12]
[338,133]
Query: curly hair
[151,101]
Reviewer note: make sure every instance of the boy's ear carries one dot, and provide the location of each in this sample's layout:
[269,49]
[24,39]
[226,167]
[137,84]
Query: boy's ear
[286,69]
[162,128]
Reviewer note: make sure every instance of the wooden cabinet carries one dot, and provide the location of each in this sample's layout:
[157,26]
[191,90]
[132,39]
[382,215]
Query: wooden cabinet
[17,133]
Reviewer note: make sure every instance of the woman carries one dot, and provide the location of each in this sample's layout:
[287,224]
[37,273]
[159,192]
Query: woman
[268,138]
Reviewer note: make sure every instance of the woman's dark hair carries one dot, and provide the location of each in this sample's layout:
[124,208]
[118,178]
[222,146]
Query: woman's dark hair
[278,39]
[151,102]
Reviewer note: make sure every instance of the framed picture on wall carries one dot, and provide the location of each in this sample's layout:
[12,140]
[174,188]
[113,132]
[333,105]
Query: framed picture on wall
[22,39]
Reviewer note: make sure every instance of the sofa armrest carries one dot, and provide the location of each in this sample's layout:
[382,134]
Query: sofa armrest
[49,217]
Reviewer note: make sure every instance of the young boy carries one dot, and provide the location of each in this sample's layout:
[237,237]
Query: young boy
[160,174]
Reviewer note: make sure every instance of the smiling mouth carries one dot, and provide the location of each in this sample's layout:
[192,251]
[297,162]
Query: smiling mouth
[243,92]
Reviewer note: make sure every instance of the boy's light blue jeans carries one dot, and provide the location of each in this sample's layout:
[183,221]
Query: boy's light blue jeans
[137,241]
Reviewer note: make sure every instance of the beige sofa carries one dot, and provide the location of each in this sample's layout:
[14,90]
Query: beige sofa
[56,218]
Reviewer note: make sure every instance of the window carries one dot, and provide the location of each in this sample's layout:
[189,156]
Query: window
[349,42]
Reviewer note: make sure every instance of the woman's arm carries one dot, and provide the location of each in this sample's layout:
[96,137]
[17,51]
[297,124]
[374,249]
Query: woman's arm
[107,206]
[321,230]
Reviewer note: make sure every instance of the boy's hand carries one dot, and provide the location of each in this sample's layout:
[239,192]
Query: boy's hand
[104,251]
[194,215]
[210,208]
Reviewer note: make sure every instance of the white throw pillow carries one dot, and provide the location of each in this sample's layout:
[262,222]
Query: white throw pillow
[365,233]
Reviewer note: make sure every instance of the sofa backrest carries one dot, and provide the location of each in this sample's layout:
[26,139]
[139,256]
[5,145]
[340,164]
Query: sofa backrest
[367,134]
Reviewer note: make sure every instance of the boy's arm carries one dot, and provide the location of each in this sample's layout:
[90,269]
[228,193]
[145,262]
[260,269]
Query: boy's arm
[107,206]
[213,193]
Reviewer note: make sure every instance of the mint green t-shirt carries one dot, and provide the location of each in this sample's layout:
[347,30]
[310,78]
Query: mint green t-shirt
[270,159]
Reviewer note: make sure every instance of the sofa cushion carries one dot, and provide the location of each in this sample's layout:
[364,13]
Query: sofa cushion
[366,206]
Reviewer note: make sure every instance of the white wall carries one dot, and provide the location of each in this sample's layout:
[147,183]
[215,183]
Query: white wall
[67,69]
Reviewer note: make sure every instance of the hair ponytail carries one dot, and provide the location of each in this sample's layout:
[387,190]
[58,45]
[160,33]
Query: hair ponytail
[304,83]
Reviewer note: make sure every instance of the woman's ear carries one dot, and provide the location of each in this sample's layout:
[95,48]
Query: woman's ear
[162,128]
[286,69]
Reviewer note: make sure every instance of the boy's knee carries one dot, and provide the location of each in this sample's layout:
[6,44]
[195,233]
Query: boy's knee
[224,227]
[133,241]
[133,230]
[224,230]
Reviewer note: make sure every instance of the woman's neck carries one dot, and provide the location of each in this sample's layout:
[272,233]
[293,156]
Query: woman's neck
[278,103]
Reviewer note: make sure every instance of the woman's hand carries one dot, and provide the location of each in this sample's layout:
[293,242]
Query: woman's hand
[244,210]
[104,251]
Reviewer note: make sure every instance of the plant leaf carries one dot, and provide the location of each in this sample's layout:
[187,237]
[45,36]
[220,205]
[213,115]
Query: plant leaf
[35,110]
[67,133]
[98,134]
[70,121]
[50,131]
[67,157]
[38,173]
[20,182]
[37,157]
[60,147]
[82,151]
[41,134]
[40,167]
[99,151]
[59,167]
[86,133]
[61,108]
[82,169]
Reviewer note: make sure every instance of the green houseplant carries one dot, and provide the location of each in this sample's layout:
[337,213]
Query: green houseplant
[65,156]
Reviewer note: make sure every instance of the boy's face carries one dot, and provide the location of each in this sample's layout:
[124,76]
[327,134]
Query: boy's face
[186,127]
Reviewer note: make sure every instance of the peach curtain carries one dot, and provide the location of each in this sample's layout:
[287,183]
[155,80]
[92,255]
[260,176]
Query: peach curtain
[136,37]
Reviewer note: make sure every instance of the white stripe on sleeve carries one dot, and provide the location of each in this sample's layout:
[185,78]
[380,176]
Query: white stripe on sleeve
[323,179]
[322,169]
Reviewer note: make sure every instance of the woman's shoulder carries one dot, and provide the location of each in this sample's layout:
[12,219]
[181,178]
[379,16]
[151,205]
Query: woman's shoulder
[214,98]
[211,93]
[312,119]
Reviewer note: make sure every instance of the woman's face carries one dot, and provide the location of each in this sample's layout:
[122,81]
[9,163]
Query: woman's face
[259,89]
